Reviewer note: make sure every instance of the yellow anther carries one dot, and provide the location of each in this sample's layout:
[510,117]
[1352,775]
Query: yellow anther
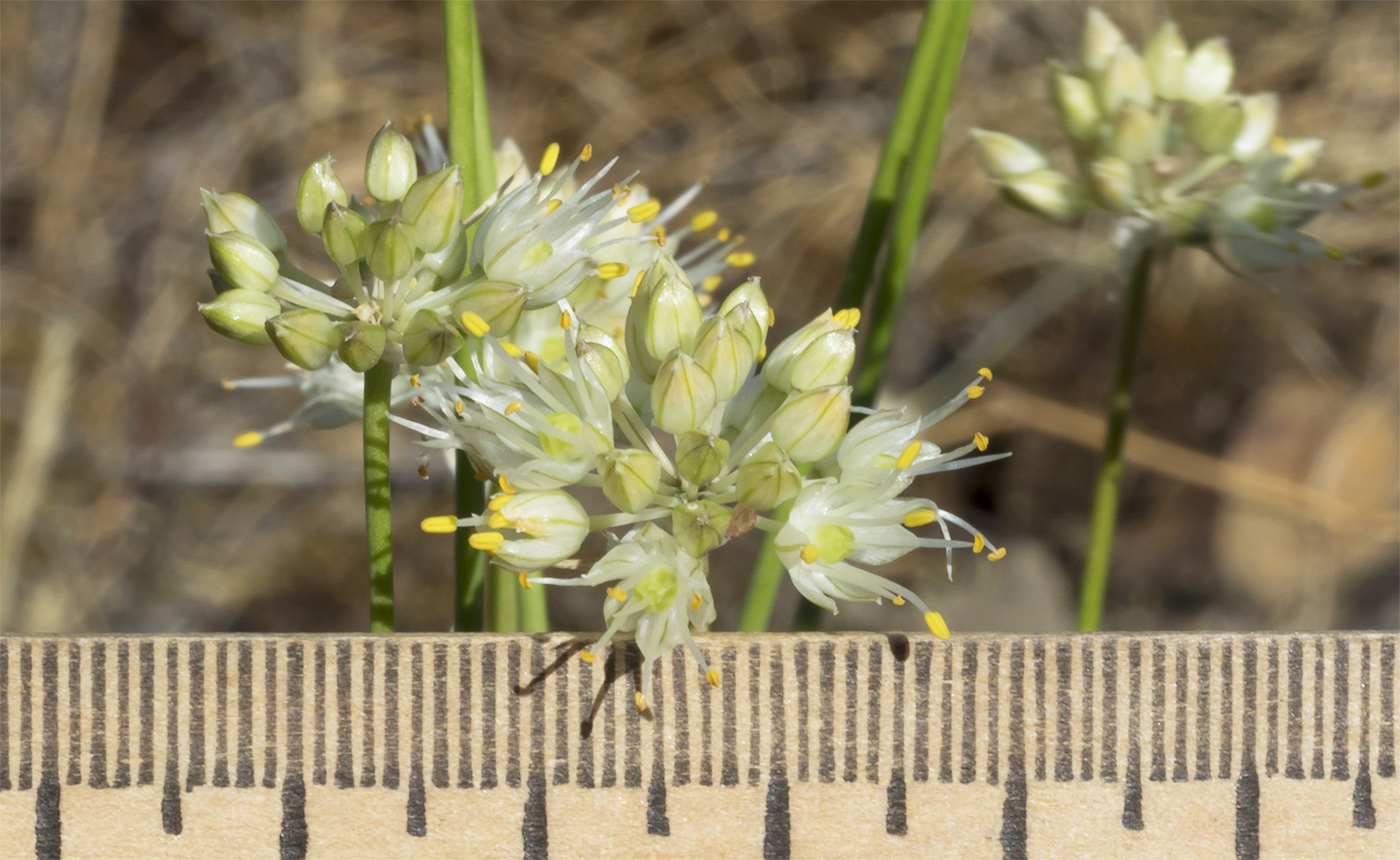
[763,352]
[553,206]
[474,324]
[1278,145]
[586,656]
[936,625]
[810,553]
[978,542]
[608,271]
[704,221]
[498,520]
[897,600]
[980,441]
[694,601]
[910,452]
[660,234]
[1371,180]
[414,381]
[587,153]
[713,677]
[444,525]
[248,440]
[644,211]
[854,319]
[525,583]
[227,384]
[723,234]
[617,594]
[551,158]
[459,407]
[486,541]
[975,391]
[566,321]
[706,300]
[841,316]
[985,373]
[641,701]
[1332,252]
[996,556]
[637,282]
[511,349]
[921,517]
[482,476]
[740,259]
[532,361]
[514,406]
[711,283]
[505,484]
[772,316]
[498,501]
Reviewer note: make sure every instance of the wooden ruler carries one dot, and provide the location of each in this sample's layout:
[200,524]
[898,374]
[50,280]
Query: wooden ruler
[812,746]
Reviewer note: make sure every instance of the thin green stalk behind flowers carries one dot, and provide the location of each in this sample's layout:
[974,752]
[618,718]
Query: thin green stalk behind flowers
[378,383]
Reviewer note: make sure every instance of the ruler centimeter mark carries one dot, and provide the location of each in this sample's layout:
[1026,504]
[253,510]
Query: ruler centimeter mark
[888,710]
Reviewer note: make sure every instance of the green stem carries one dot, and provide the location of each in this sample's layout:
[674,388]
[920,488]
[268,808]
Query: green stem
[469,614]
[913,198]
[1105,512]
[502,609]
[904,127]
[534,609]
[378,382]
[767,575]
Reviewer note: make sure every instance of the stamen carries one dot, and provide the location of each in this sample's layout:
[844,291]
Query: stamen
[810,553]
[499,501]
[486,541]
[532,361]
[608,271]
[713,677]
[553,206]
[641,701]
[772,316]
[854,319]
[1371,180]
[515,406]
[1332,252]
[566,322]
[695,601]
[978,542]
[660,234]
[975,391]
[525,583]
[551,158]
[910,452]
[897,600]
[638,282]
[587,153]
[498,520]
[227,384]
[763,352]
[996,556]
[248,440]
[505,485]
[586,656]
[704,221]
[644,211]
[617,594]
[444,525]
[474,324]
[980,441]
[985,374]
[706,300]
[921,517]
[723,234]
[511,349]
[711,283]
[936,625]
[740,259]
[414,381]
[459,407]
[481,476]
[841,316]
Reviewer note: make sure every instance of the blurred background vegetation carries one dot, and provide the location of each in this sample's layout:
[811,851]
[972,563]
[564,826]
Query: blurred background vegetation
[1263,469]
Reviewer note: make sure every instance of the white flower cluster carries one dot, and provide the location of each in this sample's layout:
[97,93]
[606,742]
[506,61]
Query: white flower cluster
[1161,139]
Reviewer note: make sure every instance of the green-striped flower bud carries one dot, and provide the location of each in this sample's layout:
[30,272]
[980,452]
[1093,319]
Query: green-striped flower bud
[238,213]
[682,395]
[1165,57]
[390,167]
[305,337]
[389,249]
[343,232]
[826,361]
[1138,135]
[751,294]
[1260,120]
[1003,155]
[1124,81]
[241,315]
[700,457]
[1047,193]
[673,316]
[777,370]
[1208,72]
[726,355]
[810,424]
[699,526]
[1075,104]
[499,305]
[243,261]
[361,344]
[449,262]
[319,188]
[1100,40]
[1214,127]
[433,208]
[768,478]
[430,339]
[1114,184]
[631,477]
[600,353]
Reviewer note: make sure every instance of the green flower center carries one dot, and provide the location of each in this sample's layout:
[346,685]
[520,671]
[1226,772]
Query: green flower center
[833,542]
[657,590]
[561,449]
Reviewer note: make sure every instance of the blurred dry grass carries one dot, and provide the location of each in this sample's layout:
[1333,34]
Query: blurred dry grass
[1264,490]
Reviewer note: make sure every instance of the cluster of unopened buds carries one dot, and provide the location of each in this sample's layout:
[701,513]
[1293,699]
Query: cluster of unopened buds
[570,354]
[1159,138]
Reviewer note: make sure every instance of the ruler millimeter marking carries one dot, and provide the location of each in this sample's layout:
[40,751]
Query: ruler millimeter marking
[796,720]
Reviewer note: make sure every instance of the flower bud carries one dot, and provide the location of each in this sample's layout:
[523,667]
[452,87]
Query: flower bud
[700,457]
[389,250]
[1100,40]
[777,370]
[826,361]
[1260,119]
[1114,184]
[810,424]
[1003,155]
[449,262]
[243,261]
[601,354]
[1208,72]
[390,167]
[1046,193]
[725,354]
[1214,127]
[241,315]
[682,395]
[768,478]
[631,477]
[499,305]
[361,344]
[699,526]
[1075,105]
[673,316]
[430,339]
[1138,135]
[1302,154]
[1124,81]
[343,232]
[238,213]
[1165,58]
[751,294]
[433,208]
[319,187]
[305,337]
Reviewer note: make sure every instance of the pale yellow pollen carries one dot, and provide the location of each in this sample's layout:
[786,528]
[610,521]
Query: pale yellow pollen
[739,259]
[525,583]
[617,594]
[444,525]
[486,541]
[897,600]
[586,656]
[921,517]
[706,300]
[694,601]
[587,153]
[474,324]
[810,553]
[415,381]
[704,221]
[566,321]
[459,407]
[978,542]
[505,485]
[637,282]
[608,271]
[660,234]
[551,158]
[711,283]
[936,625]
[514,406]
[644,211]
[248,440]
[854,319]
[980,441]
[841,316]
[498,520]
[910,452]
[498,501]
[641,701]
[996,556]
[723,234]
[511,349]
[532,361]
[713,677]
[763,352]
[985,373]
[772,316]
[553,206]
[975,391]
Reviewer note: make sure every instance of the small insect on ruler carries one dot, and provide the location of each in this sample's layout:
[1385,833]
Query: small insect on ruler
[811,746]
